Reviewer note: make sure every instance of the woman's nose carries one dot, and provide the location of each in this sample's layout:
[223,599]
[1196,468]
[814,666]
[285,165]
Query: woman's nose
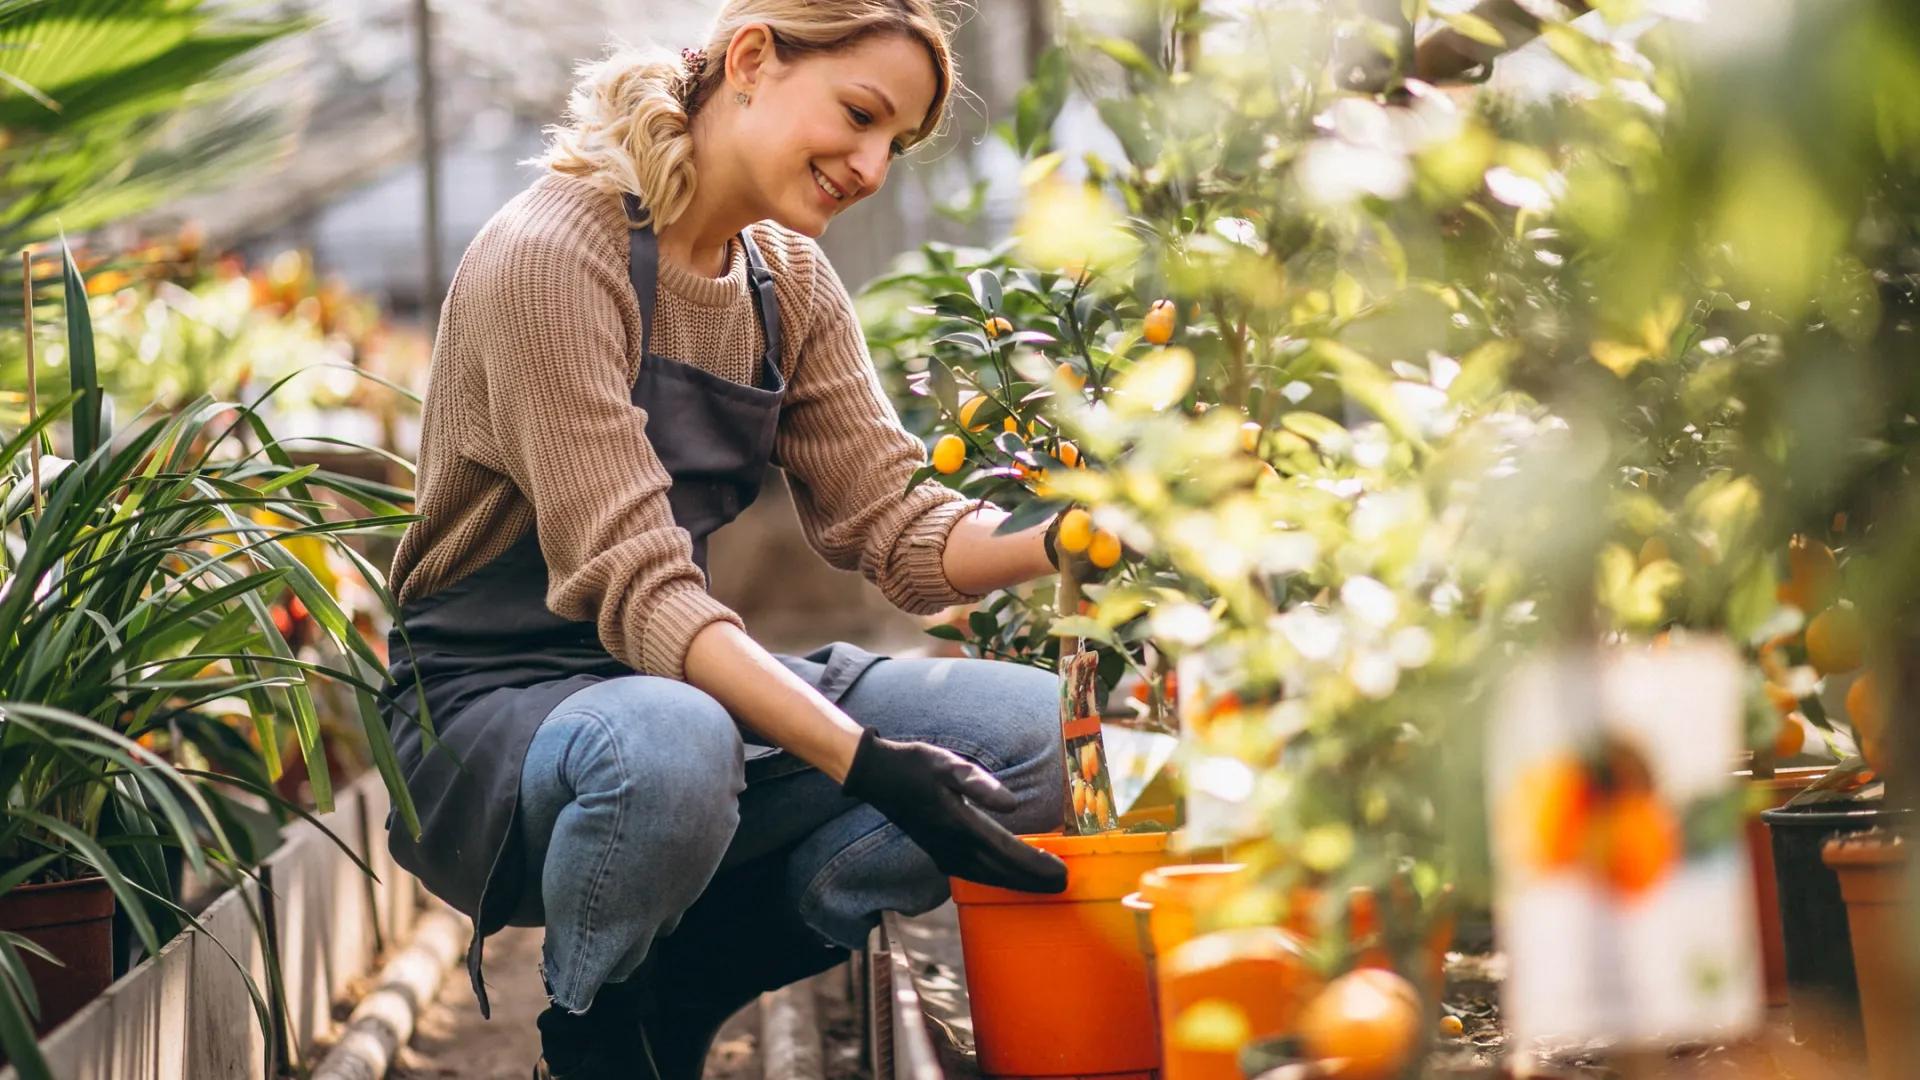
[869,165]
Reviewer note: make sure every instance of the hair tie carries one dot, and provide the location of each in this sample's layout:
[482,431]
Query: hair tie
[693,65]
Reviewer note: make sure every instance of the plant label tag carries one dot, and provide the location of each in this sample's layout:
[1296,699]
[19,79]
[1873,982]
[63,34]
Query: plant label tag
[1090,805]
[1623,894]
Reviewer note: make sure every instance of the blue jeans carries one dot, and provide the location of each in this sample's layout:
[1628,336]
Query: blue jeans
[635,793]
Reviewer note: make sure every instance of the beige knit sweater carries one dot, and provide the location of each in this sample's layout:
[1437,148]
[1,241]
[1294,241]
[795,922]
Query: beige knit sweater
[528,420]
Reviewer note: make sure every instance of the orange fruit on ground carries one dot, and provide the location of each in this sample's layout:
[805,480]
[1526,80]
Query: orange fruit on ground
[1782,698]
[1636,841]
[1791,739]
[1369,1017]
[1076,531]
[1158,325]
[1104,549]
[1069,455]
[997,326]
[1451,1027]
[1835,641]
[949,453]
[1867,706]
[1555,807]
[1066,373]
[968,409]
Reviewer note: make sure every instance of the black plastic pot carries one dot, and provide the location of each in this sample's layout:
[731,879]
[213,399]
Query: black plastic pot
[1813,917]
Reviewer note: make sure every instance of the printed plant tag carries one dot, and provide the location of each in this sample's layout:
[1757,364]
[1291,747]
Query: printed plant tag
[1090,803]
[1623,894]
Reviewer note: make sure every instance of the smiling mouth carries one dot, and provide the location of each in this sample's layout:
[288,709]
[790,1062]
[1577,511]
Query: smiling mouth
[833,191]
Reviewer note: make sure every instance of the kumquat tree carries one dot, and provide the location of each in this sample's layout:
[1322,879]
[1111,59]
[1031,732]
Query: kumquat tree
[1364,386]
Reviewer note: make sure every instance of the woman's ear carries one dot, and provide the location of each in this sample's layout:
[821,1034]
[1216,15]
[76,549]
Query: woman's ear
[751,58]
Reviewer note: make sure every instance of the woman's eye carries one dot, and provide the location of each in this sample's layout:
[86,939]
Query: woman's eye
[896,149]
[860,117]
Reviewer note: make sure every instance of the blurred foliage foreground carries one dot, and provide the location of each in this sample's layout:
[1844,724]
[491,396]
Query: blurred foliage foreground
[1390,387]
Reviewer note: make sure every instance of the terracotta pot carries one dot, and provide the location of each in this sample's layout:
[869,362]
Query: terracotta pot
[1057,985]
[1873,879]
[1773,793]
[73,920]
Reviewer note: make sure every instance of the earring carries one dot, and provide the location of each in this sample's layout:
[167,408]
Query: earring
[740,97]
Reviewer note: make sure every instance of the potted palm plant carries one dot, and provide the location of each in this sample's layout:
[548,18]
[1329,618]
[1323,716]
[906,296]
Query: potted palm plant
[136,586]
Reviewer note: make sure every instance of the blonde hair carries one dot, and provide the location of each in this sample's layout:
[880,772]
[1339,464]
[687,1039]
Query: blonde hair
[628,125]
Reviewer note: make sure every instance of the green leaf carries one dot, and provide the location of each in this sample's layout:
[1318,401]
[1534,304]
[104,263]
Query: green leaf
[1127,54]
[85,379]
[985,286]
[1475,28]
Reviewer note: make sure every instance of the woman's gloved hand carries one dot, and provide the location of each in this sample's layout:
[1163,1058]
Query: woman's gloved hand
[929,793]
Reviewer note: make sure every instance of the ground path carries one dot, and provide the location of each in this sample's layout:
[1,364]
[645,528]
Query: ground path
[451,1040]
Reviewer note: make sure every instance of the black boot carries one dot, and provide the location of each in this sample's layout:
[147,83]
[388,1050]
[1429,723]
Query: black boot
[740,939]
[607,1042]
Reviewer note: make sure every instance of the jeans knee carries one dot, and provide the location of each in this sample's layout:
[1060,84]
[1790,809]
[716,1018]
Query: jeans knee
[673,753]
[1018,708]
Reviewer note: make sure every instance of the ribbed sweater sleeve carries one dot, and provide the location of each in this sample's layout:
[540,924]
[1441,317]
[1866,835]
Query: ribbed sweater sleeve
[560,422]
[849,460]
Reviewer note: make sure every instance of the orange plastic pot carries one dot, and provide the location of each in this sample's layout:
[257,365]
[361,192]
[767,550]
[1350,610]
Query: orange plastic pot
[1872,868]
[1173,894]
[1221,990]
[1775,790]
[1057,985]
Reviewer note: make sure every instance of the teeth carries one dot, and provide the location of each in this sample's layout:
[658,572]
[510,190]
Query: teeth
[826,185]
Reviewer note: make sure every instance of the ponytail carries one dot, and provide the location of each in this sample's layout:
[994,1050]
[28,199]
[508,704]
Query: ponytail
[628,129]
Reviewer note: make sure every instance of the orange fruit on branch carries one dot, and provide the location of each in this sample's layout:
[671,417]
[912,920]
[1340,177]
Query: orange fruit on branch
[997,326]
[1791,739]
[1370,1018]
[1784,700]
[1069,455]
[970,408]
[1813,575]
[1067,374]
[1076,531]
[1104,549]
[1867,706]
[949,453]
[1158,325]
[1835,641]
[1250,436]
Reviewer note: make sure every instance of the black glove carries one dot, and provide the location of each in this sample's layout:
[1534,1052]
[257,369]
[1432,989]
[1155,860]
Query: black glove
[926,791]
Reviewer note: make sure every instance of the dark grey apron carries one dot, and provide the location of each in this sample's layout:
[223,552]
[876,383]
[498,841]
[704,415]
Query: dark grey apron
[493,661]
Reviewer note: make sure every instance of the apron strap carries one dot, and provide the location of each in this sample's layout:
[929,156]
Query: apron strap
[643,267]
[767,303]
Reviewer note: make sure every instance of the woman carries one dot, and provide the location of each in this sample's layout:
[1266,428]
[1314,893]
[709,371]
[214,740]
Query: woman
[625,347]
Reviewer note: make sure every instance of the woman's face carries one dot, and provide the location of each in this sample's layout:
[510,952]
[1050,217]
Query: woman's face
[820,132]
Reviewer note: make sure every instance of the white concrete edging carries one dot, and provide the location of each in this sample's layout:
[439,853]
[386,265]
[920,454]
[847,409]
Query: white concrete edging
[383,1021]
[186,1013]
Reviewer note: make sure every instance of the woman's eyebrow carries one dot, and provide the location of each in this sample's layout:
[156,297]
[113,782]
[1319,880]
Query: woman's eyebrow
[885,101]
